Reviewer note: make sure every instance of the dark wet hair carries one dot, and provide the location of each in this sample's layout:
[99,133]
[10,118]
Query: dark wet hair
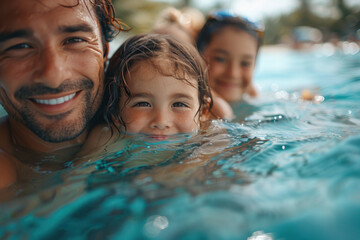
[105,13]
[218,20]
[185,60]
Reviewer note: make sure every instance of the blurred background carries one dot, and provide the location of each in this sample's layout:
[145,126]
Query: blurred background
[333,24]
[286,21]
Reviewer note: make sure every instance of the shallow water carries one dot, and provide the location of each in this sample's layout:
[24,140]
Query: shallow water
[286,167]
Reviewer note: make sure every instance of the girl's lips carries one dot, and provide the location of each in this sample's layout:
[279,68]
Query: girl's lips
[159,137]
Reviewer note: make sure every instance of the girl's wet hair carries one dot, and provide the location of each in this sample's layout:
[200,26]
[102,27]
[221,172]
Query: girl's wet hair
[220,19]
[185,61]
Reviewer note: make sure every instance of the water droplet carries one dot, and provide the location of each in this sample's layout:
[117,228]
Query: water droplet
[161,222]
[111,169]
[260,235]
[155,224]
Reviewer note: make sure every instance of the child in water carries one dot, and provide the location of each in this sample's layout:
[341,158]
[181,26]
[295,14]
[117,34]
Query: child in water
[157,86]
[229,45]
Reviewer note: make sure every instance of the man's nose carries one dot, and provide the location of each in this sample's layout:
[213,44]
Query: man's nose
[51,67]
[161,119]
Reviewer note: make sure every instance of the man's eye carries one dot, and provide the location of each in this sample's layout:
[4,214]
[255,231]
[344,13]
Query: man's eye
[180,104]
[142,104]
[75,40]
[19,46]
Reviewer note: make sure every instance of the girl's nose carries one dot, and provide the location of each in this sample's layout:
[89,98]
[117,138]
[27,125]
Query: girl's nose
[161,119]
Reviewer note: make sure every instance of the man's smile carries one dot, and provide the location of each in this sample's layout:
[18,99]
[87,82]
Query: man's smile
[55,104]
[55,101]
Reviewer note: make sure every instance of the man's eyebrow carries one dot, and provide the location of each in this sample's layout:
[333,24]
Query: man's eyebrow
[76,28]
[4,36]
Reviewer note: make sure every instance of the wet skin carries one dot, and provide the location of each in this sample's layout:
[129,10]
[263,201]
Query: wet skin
[231,55]
[51,71]
[160,105]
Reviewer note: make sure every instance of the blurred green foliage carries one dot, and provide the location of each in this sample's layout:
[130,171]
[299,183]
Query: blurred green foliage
[342,22]
[141,15]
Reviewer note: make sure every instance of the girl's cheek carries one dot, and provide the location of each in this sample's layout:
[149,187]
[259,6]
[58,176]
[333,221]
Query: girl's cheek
[133,116]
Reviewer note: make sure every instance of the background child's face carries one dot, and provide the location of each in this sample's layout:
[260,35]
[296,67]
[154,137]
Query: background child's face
[231,55]
[160,105]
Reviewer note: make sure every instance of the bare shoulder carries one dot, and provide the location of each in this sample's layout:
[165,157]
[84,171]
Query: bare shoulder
[8,174]
[7,161]
[4,125]
[222,109]
[98,137]
[5,138]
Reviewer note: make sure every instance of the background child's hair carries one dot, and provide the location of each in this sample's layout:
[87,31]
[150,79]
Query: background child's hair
[220,19]
[184,59]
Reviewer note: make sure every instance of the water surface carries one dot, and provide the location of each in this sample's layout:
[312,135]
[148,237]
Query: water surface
[285,168]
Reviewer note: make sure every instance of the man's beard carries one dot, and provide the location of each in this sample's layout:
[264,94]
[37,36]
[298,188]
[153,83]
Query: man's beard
[59,130]
[66,130]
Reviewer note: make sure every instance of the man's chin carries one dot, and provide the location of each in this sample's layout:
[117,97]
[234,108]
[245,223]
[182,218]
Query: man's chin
[58,130]
[60,134]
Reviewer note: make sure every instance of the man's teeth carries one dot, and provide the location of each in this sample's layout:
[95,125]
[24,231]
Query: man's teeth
[55,101]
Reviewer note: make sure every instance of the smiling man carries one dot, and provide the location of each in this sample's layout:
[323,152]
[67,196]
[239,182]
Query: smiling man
[52,58]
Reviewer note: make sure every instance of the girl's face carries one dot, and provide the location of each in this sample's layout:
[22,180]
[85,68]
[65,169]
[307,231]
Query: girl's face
[160,105]
[231,56]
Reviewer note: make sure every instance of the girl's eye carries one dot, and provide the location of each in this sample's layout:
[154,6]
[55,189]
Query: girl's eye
[142,104]
[220,59]
[245,64]
[180,104]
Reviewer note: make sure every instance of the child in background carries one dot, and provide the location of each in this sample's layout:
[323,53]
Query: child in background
[184,24]
[230,44]
[157,86]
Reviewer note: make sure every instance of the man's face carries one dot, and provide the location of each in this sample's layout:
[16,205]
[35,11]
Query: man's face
[51,65]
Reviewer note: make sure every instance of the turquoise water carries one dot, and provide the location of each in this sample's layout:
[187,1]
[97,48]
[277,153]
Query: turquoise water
[284,169]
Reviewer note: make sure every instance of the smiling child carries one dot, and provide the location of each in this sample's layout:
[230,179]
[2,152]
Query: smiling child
[157,86]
